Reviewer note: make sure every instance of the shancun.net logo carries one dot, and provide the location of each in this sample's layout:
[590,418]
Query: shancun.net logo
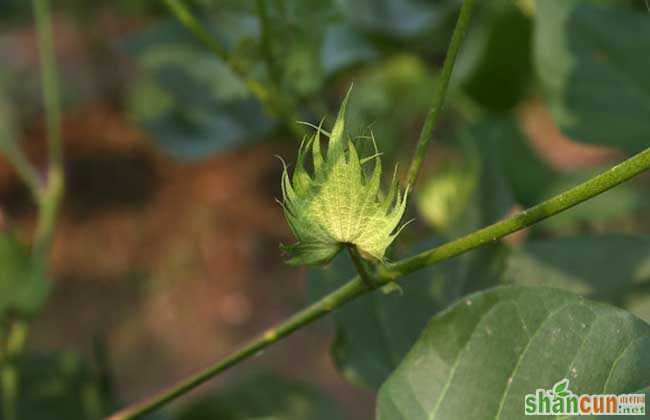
[561,401]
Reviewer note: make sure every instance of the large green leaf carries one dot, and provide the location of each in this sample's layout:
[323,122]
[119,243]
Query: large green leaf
[23,288]
[596,79]
[478,359]
[612,267]
[375,331]
[263,396]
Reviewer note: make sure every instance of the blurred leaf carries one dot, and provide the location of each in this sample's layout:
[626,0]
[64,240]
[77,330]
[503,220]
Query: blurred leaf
[23,288]
[344,47]
[610,267]
[298,32]
[597,81]
[187,99]
[396,18]
[57,386]
[529,177]
[303,73]
[444,196]
[375,331]
[532,180]
[494,197]
[494,347]
[465,195]
[263,396]
[389,97]
[495,64]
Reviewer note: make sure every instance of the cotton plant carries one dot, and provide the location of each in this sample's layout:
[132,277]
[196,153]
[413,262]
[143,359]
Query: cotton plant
[340,203]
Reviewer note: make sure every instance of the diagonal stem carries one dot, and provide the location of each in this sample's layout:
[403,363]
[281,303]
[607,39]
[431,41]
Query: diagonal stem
[441,91]
[356,287]
[52,193]
[48,196]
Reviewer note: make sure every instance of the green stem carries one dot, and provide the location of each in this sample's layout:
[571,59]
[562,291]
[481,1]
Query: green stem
[441,91]
[52,194]
[361,267]
[48,197]
[356,287]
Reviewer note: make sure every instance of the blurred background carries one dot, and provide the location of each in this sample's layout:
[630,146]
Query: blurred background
[165,255]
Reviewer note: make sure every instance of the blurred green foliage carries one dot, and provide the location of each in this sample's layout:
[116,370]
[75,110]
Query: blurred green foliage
[58,385]
[23,287]
[586,60]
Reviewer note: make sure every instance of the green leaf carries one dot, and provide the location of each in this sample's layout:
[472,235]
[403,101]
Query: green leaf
[596,80]
[375,331]
[56,386]
[611,267]
[23,287]
[478,359]
[187,99]
[263,396]
[340,203]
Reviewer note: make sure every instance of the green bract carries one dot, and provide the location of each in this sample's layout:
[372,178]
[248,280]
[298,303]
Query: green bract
[340,203]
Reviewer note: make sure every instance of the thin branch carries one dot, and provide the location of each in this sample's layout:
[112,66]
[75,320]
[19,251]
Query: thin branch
[52,194]
[356,287]
[441,91]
